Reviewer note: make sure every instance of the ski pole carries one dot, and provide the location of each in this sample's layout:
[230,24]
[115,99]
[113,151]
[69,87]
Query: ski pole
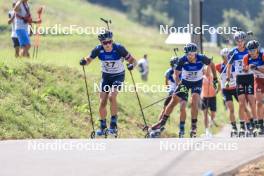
[89,103]
[139,102]
[107,22]
[156,102]
[175,51]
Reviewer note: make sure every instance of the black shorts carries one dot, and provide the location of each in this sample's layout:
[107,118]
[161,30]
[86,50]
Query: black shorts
[209,102]
[228,94]
[112,81]
[245,84]
[15,42]
[195,86]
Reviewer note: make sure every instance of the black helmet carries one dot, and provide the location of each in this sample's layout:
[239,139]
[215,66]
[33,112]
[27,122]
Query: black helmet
[252,44]
[240,35]
[190,47]
[105,35]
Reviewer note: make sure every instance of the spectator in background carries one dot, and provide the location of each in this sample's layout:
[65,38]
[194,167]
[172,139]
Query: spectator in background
[23,20]
[11,17]
[208,99]
[143,67]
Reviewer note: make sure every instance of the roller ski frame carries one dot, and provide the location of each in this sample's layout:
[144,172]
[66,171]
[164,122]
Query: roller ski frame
[155,133]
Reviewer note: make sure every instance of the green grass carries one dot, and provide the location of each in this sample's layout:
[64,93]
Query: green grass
[45,97]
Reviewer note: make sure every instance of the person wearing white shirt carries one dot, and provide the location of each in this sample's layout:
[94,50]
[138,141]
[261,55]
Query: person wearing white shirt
[11,17]
[143,67]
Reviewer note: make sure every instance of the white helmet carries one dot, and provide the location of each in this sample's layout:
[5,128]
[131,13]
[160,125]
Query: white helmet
[224,52]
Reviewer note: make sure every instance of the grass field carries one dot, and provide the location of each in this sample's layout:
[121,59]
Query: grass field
[45,97]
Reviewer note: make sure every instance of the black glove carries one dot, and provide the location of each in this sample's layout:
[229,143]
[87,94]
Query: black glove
[182,89]
[83,62]
[215,83]
[253,67]
[130,67]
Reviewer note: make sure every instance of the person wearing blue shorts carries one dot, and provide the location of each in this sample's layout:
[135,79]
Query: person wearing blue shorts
[22,22]
[112,56]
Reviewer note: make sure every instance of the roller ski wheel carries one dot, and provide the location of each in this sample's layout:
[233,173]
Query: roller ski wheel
[102,133]
[193,134]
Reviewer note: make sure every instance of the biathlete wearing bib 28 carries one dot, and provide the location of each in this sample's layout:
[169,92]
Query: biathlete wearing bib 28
[191,75]
[113,70]
[244,80]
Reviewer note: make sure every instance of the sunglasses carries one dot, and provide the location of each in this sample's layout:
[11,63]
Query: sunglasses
[252,50]
[191,53]
[107,42]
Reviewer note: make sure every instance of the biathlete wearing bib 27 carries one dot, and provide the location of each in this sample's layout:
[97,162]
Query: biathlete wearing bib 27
[113,70]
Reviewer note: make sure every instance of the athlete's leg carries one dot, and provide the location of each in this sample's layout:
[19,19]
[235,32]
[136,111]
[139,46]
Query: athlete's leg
[195,105]
[102,105]
[230,108]
[182,117]
[242,109]
[113,102]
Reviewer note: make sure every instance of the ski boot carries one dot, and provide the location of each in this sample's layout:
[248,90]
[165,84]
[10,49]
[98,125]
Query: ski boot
[193,133]
[233,132]
[255,132]
[181,134]
[261,131]
[242,133]
[181,129]
[102,132]
[113,131]
[156,132]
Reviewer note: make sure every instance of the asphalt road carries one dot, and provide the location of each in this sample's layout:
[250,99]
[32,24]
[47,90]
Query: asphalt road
[127,157]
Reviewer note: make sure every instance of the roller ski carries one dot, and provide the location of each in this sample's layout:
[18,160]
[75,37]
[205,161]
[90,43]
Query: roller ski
[156,132]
